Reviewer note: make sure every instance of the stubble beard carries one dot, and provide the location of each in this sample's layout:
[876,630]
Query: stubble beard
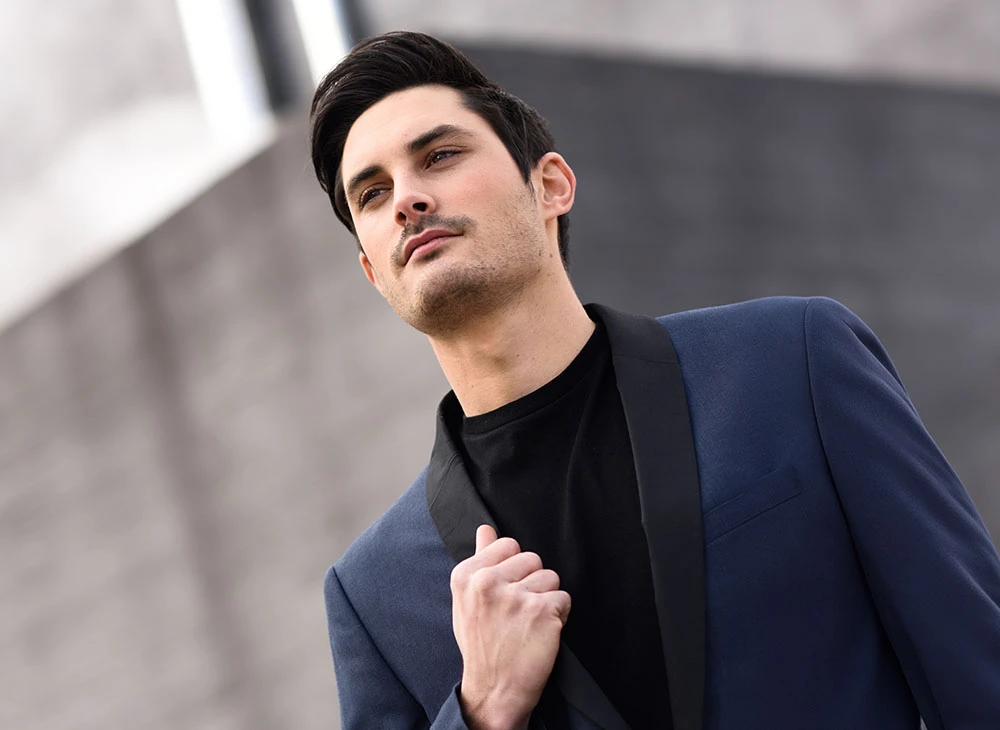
[451,298]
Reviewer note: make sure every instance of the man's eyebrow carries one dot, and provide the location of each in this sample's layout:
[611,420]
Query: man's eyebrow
[442,130]
[369,172]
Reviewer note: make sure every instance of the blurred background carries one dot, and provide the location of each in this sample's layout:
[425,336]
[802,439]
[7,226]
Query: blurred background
[202,401]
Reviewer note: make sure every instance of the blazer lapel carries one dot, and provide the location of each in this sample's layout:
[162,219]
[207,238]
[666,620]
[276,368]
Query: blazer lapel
[652,391]
[454,504]
[457,510]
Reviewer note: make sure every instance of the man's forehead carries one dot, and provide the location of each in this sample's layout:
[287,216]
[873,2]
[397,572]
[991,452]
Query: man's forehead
[392,123]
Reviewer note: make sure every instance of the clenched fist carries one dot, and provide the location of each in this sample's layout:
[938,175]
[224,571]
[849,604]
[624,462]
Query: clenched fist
[507,613]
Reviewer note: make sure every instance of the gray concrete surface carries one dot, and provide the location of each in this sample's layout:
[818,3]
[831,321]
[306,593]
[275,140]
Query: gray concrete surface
[945,41]
[193,432]
[78,61]
[191,435]
[103,135]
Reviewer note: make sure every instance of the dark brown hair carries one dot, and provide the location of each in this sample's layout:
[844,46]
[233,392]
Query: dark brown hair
[385,64]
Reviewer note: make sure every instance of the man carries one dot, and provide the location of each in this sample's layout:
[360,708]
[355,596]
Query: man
[727,518]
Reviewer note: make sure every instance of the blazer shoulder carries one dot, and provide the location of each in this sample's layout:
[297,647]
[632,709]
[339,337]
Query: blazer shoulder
[381,543]
[752,311]
[783,318]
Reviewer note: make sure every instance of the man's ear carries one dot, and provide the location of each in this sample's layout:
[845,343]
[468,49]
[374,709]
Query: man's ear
[557,184]
[370,272]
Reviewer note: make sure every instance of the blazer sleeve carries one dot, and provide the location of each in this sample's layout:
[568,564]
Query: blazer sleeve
[370,693]
[933,572]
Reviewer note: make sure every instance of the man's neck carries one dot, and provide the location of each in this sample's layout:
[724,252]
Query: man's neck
[512,351]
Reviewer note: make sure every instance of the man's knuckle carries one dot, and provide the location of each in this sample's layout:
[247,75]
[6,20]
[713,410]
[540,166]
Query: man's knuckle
[536,603]
[481,582]
[509,544]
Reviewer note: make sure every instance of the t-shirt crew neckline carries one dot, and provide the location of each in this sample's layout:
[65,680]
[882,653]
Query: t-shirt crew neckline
[544,396]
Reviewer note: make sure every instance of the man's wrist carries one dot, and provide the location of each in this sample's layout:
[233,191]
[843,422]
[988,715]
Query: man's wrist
[481,712]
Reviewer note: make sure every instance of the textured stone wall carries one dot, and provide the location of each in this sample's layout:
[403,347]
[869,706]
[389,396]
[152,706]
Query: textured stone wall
[948,41]
[190,436]
[193,432]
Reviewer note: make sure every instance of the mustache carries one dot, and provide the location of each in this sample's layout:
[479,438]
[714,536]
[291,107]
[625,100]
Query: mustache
[453,224]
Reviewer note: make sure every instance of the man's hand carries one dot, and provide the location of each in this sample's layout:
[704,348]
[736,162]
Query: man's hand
[507,613]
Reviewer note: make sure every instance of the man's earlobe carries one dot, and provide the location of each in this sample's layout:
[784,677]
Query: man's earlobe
[558,183]
[370,274]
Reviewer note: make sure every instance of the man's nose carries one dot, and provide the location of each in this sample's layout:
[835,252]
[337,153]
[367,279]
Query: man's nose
[412,205]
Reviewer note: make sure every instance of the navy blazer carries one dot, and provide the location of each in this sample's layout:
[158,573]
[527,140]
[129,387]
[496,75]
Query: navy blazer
[816,562]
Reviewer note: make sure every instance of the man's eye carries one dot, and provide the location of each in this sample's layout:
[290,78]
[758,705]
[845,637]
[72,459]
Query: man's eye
[367,196]
[439,155]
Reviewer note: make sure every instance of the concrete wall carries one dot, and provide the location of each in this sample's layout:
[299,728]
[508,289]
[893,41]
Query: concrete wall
[132,51]
[947,41]
[103,135]
[193,432]
[188,442]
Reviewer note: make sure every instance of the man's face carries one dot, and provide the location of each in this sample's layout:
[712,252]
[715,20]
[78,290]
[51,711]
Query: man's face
[446,222]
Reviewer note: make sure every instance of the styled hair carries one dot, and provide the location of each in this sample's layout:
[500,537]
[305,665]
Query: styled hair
[384,64]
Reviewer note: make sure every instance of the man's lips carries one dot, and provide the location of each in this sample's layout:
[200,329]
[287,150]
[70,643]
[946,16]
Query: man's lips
[422,240]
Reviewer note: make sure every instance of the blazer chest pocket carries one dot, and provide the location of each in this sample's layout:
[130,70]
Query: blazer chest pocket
[764,494]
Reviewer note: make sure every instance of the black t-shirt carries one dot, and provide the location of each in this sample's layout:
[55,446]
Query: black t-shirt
[555,470]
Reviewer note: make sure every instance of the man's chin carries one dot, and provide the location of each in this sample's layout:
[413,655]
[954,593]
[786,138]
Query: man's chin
[446,301]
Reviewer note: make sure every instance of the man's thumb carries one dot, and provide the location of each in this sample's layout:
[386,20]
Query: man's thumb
[485,535]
